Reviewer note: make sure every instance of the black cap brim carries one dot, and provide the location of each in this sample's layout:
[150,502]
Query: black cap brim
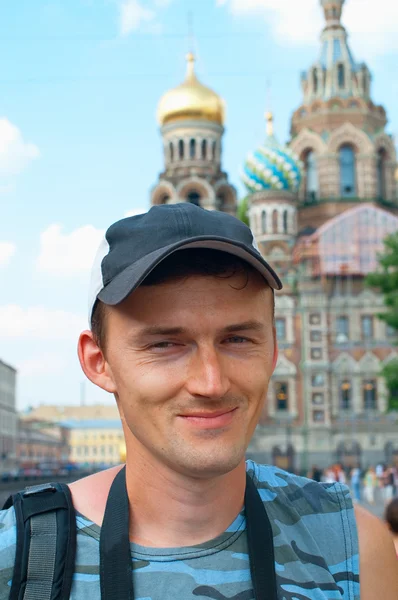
[130,278]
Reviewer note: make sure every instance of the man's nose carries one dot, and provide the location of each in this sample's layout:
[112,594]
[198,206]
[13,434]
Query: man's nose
[207,374]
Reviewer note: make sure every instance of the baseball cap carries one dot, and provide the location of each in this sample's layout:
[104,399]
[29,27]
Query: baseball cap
[134,246]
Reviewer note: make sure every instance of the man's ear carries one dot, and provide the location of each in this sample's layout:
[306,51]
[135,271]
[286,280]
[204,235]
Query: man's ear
[94,364]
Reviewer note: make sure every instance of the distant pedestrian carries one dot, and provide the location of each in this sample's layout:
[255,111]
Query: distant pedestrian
[356,483]
[370,485]
[388,485]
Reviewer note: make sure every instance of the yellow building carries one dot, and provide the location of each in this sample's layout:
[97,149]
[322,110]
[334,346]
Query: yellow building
[96,442]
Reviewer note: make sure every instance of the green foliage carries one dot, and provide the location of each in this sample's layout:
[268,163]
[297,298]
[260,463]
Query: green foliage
[386,279]
[243,211]
[390,373]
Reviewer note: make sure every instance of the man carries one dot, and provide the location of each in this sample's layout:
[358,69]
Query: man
[182,334]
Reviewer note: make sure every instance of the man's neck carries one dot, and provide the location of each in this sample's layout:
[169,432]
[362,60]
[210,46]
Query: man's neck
[169,510]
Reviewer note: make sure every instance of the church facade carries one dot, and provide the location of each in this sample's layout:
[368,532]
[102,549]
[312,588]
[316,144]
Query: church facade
[319,209]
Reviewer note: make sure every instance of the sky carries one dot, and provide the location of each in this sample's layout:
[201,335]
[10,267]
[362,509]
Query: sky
[80,146]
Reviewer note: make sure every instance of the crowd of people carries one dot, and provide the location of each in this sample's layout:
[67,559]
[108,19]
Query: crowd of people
[371,485]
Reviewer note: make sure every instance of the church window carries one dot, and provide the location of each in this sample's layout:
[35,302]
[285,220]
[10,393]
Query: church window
[282,396]
[194,198]
[334,13]
[311,178]
[171,151]
[315,80]
[263,222]
[275,221]
[165,199]
[192,149]
[345,395]
[347,171]
[285,221]
[213,150]
[369,388]
[381,174]
[204,149]
[341,76]
[181,149]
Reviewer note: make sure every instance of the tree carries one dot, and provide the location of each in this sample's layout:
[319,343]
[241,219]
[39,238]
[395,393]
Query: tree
[386,280]
[243,211]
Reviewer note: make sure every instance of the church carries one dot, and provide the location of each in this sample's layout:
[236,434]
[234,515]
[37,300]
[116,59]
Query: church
[319,208]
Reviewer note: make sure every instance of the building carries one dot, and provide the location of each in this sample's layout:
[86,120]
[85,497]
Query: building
[8,416]
[58,413]
[42,444]
[191,117]
[319,209]
[96,443]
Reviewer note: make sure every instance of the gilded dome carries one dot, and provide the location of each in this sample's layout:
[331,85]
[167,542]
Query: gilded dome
[272,166]
[191,100]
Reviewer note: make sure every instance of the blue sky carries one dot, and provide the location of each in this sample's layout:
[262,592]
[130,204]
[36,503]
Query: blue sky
[80,146]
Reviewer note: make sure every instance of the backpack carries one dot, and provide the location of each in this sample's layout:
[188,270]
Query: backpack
[46,542]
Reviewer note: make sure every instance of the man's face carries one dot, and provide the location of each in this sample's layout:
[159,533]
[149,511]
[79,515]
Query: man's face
[190,362]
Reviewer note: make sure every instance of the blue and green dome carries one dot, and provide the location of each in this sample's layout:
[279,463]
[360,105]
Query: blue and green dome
[272,166]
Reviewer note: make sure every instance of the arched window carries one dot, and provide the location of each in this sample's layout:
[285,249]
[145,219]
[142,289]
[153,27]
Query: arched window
[381,174]
[345,395]
[192,149]
[341,76]
[275,221]
[263,222]
[194,198]
[204,149]
[369,388]
[285,223]
[347,171]
[213,150]
[165,199]
[171,150]
[311,177]
[181,149]
[315,80]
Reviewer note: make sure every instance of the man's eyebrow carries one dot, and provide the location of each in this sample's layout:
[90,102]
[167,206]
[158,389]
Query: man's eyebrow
[154,330]
[245,326]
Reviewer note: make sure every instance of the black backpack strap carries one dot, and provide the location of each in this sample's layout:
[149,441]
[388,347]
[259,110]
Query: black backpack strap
[46,543]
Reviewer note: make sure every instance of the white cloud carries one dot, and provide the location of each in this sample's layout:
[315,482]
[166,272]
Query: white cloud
[68,254]
[7,250]
[44,364]
[133,15]
[39,323]
[372,30]
[15,153]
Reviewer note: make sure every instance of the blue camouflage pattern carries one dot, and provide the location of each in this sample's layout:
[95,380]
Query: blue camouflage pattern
[315,542]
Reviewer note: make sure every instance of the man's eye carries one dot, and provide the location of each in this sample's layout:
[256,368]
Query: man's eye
[237,339]
[163,345]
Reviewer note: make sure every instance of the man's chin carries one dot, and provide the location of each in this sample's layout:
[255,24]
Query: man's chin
[206,467]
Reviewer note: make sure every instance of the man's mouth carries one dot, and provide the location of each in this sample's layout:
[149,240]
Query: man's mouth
[210,419]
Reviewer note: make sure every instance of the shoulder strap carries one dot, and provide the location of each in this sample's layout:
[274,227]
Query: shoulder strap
[46,543]
[261,544]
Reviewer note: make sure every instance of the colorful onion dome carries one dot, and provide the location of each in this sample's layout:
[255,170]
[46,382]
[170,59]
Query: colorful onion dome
[272,166]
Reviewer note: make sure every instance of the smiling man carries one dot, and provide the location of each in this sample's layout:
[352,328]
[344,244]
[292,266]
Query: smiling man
[182,334]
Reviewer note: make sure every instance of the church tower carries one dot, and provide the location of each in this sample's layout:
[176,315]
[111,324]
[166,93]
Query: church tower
[272,175]
[191,117]
[339,133]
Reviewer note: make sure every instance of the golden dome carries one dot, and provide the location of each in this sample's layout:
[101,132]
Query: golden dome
[191,100]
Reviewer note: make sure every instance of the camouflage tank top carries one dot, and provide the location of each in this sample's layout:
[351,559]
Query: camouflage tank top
[315,541]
